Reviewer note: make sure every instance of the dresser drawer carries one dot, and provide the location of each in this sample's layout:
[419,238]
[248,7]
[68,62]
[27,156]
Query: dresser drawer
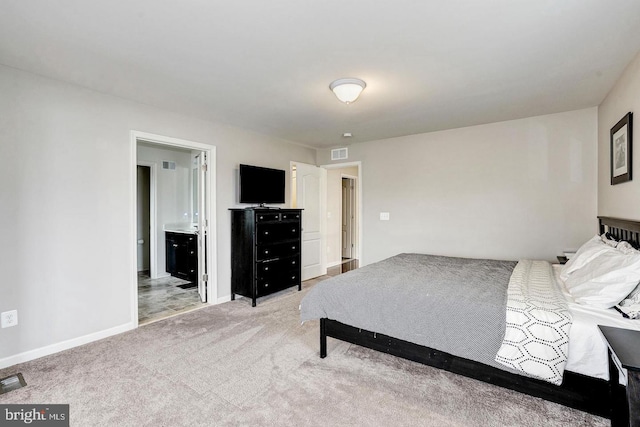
[291,263]
[268,233]
[262,217]
[277,282]
[292,278]
[291,216]
[272,269]
[265,252]
[269,271]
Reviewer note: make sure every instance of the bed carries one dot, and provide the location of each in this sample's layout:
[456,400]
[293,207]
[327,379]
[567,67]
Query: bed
[465,336]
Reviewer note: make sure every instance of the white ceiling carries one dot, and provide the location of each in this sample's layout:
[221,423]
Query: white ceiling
[266,65]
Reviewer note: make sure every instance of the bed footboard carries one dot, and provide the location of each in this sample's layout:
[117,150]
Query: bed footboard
[577,391]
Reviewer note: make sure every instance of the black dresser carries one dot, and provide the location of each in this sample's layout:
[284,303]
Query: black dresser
[265,251]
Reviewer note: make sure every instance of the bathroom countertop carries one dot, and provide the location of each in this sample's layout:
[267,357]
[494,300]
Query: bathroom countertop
[184,228]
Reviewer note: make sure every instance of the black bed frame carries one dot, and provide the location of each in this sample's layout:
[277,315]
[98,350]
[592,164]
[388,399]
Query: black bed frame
[621,229]
[578,391]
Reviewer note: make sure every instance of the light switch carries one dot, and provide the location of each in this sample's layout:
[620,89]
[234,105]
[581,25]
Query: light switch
[384,216]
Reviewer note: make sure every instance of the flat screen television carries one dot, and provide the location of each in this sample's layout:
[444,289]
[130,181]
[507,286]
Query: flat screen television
[261,185]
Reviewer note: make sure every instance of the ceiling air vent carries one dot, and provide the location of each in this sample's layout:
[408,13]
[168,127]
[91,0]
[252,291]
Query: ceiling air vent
[339,154]
[168,165]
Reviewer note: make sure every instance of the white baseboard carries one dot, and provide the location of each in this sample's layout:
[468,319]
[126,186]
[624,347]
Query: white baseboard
[223,299]
[64,345]
[333,264]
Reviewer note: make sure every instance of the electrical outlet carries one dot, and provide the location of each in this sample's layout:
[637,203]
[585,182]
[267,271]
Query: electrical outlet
[9,318]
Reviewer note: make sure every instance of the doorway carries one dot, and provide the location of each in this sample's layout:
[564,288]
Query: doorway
[174,226]
[344,214]
[348,229]
[143,183]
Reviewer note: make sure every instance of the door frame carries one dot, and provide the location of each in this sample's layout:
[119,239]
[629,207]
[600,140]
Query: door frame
[153,263]
[211,242]
[359,207]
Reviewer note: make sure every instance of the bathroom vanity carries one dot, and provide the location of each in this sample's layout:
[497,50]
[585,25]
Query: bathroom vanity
[182,252]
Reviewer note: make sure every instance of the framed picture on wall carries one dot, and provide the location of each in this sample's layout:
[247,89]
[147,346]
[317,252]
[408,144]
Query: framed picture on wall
[621,150]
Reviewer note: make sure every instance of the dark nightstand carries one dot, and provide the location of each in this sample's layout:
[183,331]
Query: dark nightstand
[624,352]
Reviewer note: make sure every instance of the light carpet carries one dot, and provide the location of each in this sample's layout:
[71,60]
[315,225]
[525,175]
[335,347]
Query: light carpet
[234,365]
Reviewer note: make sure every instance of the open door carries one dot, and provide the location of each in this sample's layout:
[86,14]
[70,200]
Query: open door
[201,221]
[310,183]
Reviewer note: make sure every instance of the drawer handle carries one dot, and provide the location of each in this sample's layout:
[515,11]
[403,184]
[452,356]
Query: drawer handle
[192,252]
[175,245]
[293,277]
[266,269]
[293,247]
[266,252]
[261,217]
[293,262]
[266,285]
[293,230]
[266,233]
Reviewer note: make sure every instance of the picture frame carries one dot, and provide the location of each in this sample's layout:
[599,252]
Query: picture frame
[621,150]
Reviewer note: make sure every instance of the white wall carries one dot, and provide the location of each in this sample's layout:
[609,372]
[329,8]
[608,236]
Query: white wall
[518,189]
[620,200]
[173,191]
[66,185]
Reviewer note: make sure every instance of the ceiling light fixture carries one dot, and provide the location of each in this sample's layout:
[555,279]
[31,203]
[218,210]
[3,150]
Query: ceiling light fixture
[347,90]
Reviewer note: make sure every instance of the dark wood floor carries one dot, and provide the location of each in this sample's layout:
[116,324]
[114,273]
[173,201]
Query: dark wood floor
[346,265]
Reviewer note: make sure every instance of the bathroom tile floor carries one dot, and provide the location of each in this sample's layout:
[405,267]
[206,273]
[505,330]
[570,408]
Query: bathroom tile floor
[160,298]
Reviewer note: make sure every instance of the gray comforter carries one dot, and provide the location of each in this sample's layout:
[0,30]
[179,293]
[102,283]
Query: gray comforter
[455,305]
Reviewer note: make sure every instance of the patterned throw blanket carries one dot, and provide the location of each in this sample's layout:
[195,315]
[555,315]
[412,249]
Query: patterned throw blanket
[538,321]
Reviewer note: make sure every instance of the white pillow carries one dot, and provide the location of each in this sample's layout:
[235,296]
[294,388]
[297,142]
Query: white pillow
[591,249]
[626,248]
[608,241]
[634,296]
[605,280]
[632,299]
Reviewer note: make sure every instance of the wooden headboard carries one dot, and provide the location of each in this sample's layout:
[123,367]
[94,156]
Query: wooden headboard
[621,229]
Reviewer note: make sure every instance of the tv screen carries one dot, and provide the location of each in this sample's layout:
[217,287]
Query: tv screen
[261,185]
